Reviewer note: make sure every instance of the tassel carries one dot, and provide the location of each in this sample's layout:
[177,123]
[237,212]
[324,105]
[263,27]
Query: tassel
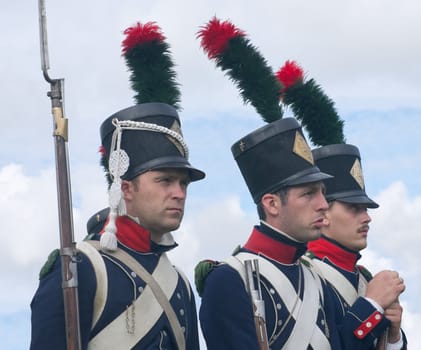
[108,239]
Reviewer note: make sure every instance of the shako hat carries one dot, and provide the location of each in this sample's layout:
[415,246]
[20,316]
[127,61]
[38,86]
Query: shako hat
[152,139]
[344,162]
[276,155]
[146,136]
[97,221]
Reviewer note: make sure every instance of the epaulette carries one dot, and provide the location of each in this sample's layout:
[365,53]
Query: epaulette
[367,274]
[305,260]
[52,257]
[48,266]
[310,254]
[236,250]
[89,236]
[201,271]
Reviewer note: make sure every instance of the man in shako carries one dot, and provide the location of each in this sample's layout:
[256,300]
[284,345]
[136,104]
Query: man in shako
[287,188]
[263,296]
[336,253]
[96,222]
[130,295]
[358,304]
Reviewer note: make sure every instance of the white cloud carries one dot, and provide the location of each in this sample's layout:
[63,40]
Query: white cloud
[29,217]
[410,325]
[26,213]
[211,230]
[394,229]
[394,243]
[28,209]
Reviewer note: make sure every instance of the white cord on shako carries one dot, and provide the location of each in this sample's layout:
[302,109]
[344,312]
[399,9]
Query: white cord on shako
[118,165]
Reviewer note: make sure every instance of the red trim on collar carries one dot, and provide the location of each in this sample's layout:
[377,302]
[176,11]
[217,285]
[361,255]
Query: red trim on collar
[339,256]
[259,243]
[133,235]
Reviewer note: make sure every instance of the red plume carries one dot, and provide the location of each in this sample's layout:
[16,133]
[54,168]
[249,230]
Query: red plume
[215,36]
[290,74]
[140,34]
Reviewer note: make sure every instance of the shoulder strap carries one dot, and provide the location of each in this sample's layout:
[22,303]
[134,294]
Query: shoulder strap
[364,277]
[305,331]
[100,275]
[336,279]
[160,296]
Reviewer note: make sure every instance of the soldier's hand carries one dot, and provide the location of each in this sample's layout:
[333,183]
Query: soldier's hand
[385,288]
[394,314]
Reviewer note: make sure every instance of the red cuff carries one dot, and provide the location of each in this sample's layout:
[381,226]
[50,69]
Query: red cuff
[368,325]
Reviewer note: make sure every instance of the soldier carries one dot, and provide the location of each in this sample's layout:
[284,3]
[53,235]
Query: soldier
[336,253]
[130,295]
[312,106]
[287,188]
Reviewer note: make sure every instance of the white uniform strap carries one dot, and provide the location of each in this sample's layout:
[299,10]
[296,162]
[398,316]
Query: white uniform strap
[185,279]
[101,278]
[306,330]
[238,265]
[152,302]
[362,284]
[304,311]
[336,279]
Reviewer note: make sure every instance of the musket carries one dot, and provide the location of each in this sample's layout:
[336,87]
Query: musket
[257,302]
[67,244]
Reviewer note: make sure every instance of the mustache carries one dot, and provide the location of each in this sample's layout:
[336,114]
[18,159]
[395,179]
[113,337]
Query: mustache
[363,228]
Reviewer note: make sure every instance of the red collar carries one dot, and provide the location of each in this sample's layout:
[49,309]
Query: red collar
[132,235]
[136,237]
[339,255]
[264,240]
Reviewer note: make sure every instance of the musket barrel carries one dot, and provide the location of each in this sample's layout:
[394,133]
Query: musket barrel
[67,245]
[257,303]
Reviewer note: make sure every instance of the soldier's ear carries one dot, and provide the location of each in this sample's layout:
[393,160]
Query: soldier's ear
[127,188]
[271,204]
[326,219]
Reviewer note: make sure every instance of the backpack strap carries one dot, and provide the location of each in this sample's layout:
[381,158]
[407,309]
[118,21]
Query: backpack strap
[95,257]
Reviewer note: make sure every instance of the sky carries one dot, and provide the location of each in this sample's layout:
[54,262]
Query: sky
[364,54]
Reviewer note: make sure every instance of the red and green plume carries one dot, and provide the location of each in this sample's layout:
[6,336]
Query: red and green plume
[147,55]
[241,61]
[310,105]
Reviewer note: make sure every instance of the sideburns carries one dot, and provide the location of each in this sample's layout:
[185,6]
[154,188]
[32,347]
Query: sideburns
[135,183]
[283,195]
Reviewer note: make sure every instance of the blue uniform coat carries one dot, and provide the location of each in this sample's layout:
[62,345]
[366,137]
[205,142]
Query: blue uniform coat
[345,261]
[48,329]
[226,316]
